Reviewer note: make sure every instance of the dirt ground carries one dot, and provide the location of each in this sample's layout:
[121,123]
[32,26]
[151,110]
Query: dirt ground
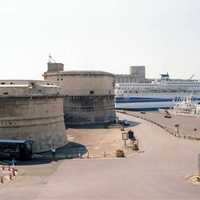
[160,172]
[101,142]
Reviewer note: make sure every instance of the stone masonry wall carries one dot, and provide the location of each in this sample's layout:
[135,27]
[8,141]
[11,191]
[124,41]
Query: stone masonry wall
[38,118]
[85,110]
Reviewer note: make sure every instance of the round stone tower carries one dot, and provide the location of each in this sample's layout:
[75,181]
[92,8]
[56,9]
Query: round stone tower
[32,110]
[89,95]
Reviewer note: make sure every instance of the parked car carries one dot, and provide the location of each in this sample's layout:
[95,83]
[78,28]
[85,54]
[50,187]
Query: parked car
[168,116]
[125,123]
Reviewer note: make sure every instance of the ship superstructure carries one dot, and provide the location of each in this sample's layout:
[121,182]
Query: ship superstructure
[155,94]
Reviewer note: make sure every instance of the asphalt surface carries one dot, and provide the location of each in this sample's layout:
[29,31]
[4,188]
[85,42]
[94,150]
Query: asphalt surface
[188,125]
[158,172]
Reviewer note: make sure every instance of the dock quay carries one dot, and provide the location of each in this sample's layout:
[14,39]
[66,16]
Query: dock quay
[182,126]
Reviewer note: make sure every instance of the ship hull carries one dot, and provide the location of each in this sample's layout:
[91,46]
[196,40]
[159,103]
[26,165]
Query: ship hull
[145,103]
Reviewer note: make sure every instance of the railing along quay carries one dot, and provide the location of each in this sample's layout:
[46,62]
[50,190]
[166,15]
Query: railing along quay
[174,133]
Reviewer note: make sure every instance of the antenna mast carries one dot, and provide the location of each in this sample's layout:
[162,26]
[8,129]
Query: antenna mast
[51,60]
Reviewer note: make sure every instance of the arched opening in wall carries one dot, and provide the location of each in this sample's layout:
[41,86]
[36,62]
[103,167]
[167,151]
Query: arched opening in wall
[91,91]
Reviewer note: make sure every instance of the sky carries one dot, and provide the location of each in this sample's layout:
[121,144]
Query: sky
[107,35]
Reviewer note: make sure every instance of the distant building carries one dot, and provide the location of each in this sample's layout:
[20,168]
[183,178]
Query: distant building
[137,74]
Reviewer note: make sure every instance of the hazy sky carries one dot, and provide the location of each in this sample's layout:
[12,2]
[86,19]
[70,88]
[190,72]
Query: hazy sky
[109,35]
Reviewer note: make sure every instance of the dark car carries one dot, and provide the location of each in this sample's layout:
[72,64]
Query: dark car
[168,116]
[125,123]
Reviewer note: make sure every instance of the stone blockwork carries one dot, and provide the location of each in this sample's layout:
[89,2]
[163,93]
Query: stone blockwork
[32,111]
[89,96]
[85,110]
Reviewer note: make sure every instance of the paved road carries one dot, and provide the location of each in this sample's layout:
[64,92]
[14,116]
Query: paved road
[158,173]
[187,124]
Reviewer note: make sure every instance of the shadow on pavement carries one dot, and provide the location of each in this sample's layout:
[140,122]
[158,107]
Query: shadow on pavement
[132,124]
[92,126]
[70,151]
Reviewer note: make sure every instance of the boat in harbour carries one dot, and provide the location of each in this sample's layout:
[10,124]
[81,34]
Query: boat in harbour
[163,93]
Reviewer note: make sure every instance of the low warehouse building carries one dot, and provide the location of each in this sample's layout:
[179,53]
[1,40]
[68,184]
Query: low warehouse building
[89,95]
[32,110]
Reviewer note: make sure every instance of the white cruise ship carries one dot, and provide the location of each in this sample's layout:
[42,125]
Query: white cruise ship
[162,93]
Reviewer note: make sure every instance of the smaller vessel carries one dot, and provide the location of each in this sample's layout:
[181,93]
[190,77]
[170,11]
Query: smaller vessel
[187,106]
